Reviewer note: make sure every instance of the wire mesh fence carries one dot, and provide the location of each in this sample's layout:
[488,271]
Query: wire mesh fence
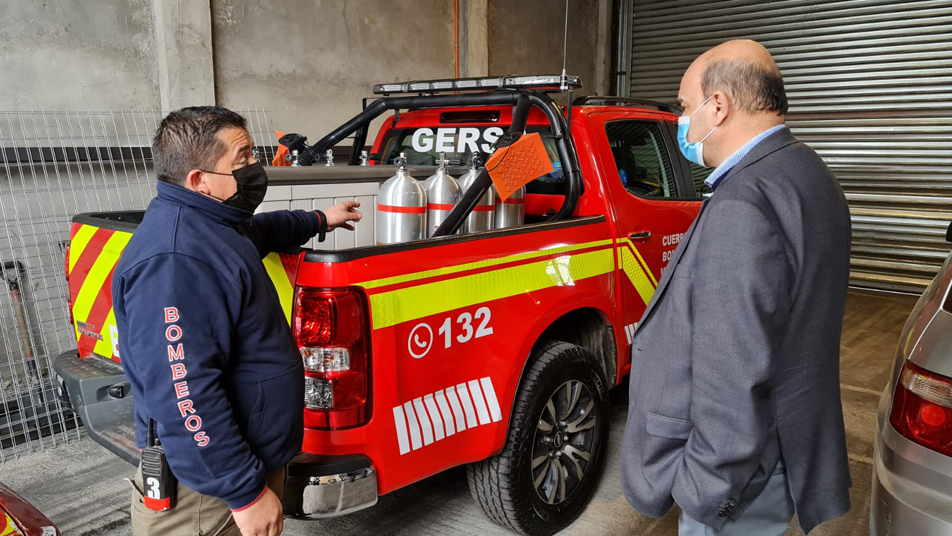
[54,165]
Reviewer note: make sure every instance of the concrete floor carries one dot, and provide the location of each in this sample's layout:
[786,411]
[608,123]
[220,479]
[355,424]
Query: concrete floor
[81,488]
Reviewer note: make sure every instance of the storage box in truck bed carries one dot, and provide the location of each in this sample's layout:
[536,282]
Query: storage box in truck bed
[494,349]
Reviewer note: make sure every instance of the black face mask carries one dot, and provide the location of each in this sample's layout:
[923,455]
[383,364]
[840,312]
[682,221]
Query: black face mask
[252,181]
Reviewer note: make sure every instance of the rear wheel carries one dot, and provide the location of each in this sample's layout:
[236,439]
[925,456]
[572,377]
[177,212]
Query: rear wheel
[547,470]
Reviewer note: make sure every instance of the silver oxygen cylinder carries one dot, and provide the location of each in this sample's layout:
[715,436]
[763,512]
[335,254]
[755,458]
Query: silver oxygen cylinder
[442,194]
[512,211]
[481,219]
[401,207]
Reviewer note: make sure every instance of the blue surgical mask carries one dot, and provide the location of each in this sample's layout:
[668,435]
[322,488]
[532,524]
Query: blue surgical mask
[694,152]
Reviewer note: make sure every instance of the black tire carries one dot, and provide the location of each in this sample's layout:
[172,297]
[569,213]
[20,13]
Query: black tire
[505,485]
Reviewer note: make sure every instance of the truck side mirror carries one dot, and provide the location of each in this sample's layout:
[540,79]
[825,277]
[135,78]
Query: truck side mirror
[948,233]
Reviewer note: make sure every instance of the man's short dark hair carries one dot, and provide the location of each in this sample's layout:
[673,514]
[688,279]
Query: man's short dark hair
[188,139]
[753,87]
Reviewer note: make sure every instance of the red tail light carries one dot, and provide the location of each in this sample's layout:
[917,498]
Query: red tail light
[331,327]
[922,408]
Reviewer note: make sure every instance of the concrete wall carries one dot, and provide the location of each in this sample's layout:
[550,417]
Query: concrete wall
[77,54]
[527,38]
[309,62]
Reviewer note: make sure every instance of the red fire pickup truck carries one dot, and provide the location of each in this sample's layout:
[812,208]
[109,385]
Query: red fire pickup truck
[495,349]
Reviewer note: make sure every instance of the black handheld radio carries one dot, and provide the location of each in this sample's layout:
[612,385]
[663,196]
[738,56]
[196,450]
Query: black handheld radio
[157,478]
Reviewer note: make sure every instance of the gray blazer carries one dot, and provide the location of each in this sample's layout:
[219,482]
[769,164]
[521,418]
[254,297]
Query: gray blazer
[735,363]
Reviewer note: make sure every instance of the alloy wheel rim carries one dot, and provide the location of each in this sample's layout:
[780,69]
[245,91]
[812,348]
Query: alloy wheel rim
[563,447]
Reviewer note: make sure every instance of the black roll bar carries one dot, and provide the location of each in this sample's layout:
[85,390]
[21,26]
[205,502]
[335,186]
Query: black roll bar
[522,100]
[360,138]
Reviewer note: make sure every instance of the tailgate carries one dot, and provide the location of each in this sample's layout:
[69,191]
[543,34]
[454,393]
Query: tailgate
[91,375]
[96,242]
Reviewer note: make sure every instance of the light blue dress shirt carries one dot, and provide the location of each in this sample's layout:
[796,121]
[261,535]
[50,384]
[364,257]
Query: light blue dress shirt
[715,177]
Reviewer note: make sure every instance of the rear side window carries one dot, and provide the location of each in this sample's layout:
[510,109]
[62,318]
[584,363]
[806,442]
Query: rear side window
[643,164]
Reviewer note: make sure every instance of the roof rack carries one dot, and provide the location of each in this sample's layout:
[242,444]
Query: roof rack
[626,101]
[535,82]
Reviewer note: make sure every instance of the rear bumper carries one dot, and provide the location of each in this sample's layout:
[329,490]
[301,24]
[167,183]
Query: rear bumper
[102,398]
[318,486]
[910,489]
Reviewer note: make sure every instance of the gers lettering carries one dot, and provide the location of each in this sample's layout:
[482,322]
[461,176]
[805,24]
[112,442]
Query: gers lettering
[455,140]
[186,408]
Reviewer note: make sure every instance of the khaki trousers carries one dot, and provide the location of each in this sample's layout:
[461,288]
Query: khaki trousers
[194,514]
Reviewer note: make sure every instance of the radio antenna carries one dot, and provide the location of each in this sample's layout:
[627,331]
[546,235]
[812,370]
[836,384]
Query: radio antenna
[563,83]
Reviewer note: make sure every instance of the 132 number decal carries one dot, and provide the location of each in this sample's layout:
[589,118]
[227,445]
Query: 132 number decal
[465,323]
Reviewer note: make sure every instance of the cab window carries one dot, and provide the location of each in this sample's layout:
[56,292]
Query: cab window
[643,164]
[699,175]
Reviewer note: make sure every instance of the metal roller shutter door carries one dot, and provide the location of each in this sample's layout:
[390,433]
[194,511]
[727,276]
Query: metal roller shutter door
[870,88]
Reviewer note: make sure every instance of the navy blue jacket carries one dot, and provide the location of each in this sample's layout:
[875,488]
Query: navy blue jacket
[205,343]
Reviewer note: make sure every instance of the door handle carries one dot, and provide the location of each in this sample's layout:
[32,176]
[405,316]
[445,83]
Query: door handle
[644,235]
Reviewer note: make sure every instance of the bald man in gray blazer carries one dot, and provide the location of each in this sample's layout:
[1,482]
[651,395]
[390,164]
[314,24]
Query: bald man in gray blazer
[735,409]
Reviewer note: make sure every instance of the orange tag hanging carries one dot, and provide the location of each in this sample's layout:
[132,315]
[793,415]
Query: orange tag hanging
[514,166]
[280,159]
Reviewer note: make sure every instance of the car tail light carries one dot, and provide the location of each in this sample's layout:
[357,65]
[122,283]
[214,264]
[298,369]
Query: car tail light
[331,328]
[922,408]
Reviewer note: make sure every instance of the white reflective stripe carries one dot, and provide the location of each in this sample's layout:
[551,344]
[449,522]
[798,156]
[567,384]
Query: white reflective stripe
[434,416]
[425,425]
[447,415]
[467,405]
[491,398]
[457,409]
[400,420]
[414,426]
[480,403]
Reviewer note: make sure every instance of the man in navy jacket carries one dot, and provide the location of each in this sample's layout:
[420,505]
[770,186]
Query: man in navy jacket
[203,338]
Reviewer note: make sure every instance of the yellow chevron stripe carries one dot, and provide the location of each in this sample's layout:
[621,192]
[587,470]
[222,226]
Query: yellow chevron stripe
[10,528]
[94,282]
[635,273]
[104,347]
[403,305]
[480,264]
[79,242]
[282,284]
[644,264]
